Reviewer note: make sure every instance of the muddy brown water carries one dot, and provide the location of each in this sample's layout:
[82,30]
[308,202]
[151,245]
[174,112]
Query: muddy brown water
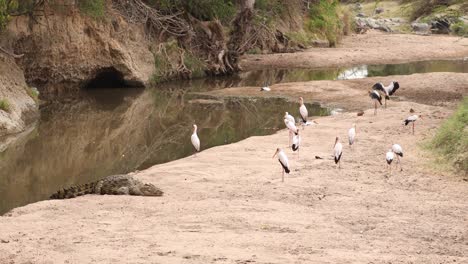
[111,131]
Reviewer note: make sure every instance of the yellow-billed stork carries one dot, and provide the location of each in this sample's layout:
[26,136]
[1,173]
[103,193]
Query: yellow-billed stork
[337,151]
[375,96]
[296,141]
[387,90]
[195,140]
[352,135]
[412,119]
[303,111]
[291,125]
[389,158]
[283,160]
[398,150]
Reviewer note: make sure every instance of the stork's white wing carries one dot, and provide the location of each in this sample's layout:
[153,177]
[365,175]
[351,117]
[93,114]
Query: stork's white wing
[337,150]
[389,156]
[351,135]
[290,125]
[283,159]
[303,111]
[195,141]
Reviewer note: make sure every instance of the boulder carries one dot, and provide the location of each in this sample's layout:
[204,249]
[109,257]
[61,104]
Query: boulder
[379,10]
[421,28]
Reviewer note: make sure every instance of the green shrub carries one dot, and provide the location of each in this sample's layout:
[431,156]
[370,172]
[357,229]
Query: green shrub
[33,93]
[451,140]
[5,105]
[7,7]
[195,65]
[324,20]
[460,28]
[93,8]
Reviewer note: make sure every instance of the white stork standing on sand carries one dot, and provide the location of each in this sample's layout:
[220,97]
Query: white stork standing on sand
[290,118]
[398,150]
[337,151]
[352,135]
[389,157]
[303,111]
[387,90]
[283,160]
[375,96]
[412,119]
[293,130]
[195,139]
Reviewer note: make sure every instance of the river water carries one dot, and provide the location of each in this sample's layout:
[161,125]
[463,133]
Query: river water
[110,131]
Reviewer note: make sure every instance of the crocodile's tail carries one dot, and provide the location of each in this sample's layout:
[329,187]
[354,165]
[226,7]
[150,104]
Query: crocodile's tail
[74,191]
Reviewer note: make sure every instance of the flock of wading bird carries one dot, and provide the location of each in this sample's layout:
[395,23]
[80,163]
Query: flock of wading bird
[378,91]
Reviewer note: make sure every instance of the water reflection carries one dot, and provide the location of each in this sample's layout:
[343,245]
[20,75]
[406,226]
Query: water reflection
[272,76]
[116,131]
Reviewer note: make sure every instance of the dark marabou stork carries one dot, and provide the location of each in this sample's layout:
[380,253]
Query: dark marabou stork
[387,90]
[375,96]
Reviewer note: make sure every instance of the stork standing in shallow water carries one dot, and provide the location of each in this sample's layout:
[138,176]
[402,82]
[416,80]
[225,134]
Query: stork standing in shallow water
[337,152]
[375,96]
[398,150]
[283,160]
[195,140]
[352,135]
[389,157]
[412,119]
[387,90]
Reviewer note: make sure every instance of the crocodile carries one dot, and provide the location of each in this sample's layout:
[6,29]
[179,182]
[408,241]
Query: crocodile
[114,185]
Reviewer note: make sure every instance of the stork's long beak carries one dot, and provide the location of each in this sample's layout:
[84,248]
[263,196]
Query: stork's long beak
[275,153]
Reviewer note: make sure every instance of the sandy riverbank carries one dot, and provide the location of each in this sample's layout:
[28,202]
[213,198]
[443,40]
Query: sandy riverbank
[228,204]
[371,48]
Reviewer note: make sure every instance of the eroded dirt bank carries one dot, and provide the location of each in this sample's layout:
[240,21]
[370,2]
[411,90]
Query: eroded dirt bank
[371,48]
[19,109]
[228,204]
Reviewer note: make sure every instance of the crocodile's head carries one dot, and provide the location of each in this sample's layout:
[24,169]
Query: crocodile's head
[149,189]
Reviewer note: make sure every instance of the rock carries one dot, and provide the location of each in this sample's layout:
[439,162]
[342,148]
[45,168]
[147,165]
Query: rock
[372,23]
[441,25]
[361,15]
[379,10]
[358,7]
[422,28]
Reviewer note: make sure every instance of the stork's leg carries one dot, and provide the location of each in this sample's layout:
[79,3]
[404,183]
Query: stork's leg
[282,175]
[385,103]
[339,164]
[413,128]
[375,107]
